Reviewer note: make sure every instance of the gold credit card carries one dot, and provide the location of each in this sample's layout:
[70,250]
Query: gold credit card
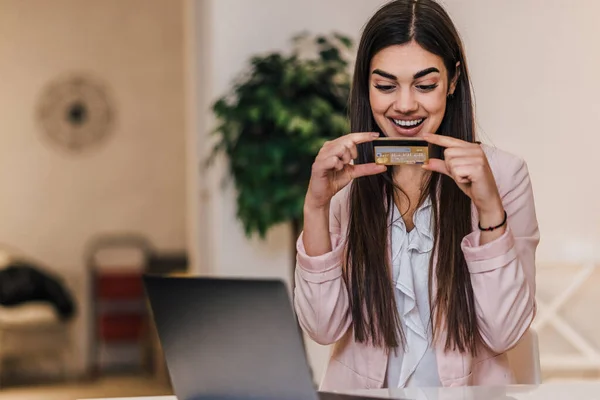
[394,151]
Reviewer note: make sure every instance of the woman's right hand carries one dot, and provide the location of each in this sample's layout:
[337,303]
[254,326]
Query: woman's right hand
[332,170]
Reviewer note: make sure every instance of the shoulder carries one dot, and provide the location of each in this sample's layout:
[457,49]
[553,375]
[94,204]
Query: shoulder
[497,156]
[510,170]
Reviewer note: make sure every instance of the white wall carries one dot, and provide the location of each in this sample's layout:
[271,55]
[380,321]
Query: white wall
[51,203]
[534,67]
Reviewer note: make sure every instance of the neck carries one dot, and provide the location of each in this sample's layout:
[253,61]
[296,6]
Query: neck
[411,178]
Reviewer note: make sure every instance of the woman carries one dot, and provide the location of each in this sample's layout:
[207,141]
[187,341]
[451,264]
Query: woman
[420,275]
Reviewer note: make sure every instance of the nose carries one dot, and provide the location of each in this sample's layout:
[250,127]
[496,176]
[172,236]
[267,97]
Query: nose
[405,102]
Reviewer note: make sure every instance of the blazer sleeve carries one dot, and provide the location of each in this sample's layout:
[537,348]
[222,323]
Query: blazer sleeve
[320,294]
[503,271]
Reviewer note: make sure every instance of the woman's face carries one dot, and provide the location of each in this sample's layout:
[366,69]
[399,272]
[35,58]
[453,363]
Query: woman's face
[408,88]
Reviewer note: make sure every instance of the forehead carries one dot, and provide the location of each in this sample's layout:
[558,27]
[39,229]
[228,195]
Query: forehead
[405,60]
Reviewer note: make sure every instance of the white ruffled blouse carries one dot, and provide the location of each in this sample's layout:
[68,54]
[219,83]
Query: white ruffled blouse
[416,365]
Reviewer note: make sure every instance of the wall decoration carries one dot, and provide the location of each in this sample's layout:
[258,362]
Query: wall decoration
[75,113]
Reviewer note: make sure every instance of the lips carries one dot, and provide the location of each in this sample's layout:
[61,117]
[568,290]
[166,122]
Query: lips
[407,127]
[406,123]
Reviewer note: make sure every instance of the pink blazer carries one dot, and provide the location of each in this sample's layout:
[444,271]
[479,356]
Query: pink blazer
[502,276]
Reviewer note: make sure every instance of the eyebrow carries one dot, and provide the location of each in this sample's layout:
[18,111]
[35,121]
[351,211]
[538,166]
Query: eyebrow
[418,75]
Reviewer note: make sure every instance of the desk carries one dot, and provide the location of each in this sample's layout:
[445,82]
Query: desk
[139,398]
[550,391]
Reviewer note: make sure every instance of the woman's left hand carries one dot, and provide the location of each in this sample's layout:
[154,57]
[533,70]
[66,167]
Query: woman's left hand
[467,165]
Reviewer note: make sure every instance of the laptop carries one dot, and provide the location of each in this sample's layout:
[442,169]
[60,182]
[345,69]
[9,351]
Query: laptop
[231,339]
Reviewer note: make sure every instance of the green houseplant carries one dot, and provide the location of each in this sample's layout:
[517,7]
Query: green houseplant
[274,120]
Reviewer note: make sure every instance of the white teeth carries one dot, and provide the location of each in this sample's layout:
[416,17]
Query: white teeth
[407,123]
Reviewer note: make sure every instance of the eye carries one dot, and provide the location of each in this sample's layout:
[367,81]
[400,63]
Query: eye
[384,88]
[427,88]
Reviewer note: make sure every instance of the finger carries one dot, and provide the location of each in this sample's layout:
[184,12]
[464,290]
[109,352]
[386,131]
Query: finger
[353,151]
[328,164]
[349,141]
[367,169]
[325,147]
[445,141]
[462,174]
[338,149]
[361,137]
[437,165]
[462,152]
[460,162]
[346,155]
[346,158]
[339,164]
[473,168]
[351,172]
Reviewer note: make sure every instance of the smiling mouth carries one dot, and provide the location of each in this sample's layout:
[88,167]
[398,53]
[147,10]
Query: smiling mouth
[407,124]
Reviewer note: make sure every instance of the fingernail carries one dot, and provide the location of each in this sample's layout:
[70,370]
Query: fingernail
[375,134]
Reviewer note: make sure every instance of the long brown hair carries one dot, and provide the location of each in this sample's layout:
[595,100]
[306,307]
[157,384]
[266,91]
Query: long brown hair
[366,267]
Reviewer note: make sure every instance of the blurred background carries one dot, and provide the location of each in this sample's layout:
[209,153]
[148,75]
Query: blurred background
[106,114]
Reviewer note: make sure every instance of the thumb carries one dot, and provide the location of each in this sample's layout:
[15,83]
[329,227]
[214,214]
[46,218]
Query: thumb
[436,165]
[351,172]
[366,169]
